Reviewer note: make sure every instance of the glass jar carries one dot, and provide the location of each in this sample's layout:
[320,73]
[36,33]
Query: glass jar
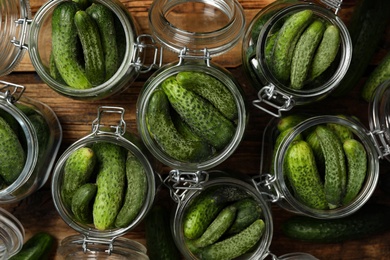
[11,235]
[92,241]
[276,95]
[176,25]
[185,188]
[39,135]
[35,35]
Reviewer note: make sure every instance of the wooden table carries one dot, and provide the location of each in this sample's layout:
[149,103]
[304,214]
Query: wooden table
[37,212]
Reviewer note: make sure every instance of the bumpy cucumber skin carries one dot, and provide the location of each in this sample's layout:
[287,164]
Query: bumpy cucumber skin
[289,121]
[326,52]
[43,132]
[64,46]
[236,245]
[37,247]
[315,145]
[89,36]
[304,53]
[163,131]
[77,171]
[335,166]
[54,72]
[206,206]
[369,220]
[104,19]
[82,4]
[285,43]
[12,155]
[302,173]
[200,115]
[342,131]
[211,89]
[357,168]
[82,202]
[110,183]
[248,210]
[380,74]
[135,191]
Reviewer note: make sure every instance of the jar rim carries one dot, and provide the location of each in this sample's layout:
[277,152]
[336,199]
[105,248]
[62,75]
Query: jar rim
[14,232]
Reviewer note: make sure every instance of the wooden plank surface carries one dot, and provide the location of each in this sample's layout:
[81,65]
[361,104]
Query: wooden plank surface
[37,212]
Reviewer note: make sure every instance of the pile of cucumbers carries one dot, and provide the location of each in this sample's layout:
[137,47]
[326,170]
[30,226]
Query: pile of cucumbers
[86,41]
[191,116]
[104,185]
[301,49]
[324,166]
[13,143]
[223,222]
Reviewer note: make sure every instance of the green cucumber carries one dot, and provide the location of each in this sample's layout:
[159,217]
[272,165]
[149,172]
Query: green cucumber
[380,74]
[83,4]
[82,202]
[54,72]
[304,53]
[135,191]
[289,121]
[104,19]
[43,133]
[78,170]
[163,131]
[110,181]
[89,36]
[236,245]
[37,247]
[357,168]
[204,208]
[326,52]
[285,43]
[370,219]
[342,131]
[205,120]
[335,165]
[183,128]
[211,89]
[12,155]
[64,46]
[302,174]
[248,210]
[315,145]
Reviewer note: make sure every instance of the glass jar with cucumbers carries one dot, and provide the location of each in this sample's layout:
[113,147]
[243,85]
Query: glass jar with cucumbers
[295,53]
[325,166]
[103,186]
[92,58]
[191,113]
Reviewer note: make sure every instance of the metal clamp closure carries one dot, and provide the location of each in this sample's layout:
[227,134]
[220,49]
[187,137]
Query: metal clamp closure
[97,125]
[12,92]
[100,241]
[184,55]
[24,22]
[180,182]
[265,185]
[270,96]
[381,146]
[144,42]
[333,4]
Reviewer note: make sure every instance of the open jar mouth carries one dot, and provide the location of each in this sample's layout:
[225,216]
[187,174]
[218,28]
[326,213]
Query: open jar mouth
[215,25]
[321,86]
[40,45]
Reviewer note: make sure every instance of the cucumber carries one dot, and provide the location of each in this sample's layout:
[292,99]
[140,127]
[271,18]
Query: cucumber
[82,4]
[104,19]
[236,245]
[285,43]
[342,131]
[369,220]
[205,120]
[64,46]
[211,89]
[12,155]
[82,202]
[135,191]
[78,170]
[335,165]
[110,183]
[315,145]
[159,240]
[304,53]
[43,133]
[302,174]
[54,72]
[183,128]
[248,210]
[163,131]
[357,168]
[326,52]
[289,121]
[89,36]
[37,247]
[217,227]
[380,74]
[204,208]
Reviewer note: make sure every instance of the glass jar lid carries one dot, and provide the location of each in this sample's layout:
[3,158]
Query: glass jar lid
[15,16]
[197,25]
[11,234]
